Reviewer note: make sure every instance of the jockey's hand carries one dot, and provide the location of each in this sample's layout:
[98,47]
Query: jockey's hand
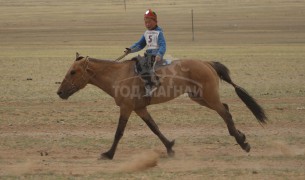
[127,50]
[158,58]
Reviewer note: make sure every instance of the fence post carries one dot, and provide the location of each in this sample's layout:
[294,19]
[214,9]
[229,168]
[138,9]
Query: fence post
[125,5]
[193,36]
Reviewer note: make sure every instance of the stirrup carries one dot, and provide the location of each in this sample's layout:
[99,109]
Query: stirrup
[150,91]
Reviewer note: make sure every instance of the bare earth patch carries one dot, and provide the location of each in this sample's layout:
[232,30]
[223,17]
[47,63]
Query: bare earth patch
[203,149]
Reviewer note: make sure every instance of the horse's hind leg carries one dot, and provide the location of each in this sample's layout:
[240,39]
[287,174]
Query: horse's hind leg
[153,126]
[239,136]
[223,111]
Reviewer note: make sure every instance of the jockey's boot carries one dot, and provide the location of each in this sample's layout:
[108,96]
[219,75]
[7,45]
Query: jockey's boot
[151,85]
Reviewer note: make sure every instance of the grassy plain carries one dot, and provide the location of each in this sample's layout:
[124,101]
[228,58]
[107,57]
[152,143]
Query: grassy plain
[42,137]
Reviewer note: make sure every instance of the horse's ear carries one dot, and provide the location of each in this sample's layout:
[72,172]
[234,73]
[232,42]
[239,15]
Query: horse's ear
[77,55]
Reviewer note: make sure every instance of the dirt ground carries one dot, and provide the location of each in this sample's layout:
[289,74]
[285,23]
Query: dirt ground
[61,142]
[44,137]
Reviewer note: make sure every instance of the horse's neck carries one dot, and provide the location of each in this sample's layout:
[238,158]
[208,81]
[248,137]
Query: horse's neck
[105,74]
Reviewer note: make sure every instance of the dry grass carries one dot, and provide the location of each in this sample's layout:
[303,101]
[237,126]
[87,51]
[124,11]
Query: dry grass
[42,137]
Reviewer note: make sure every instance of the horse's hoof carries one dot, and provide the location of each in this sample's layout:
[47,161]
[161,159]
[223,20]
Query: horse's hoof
[246,147]
[105,156]
[171,153]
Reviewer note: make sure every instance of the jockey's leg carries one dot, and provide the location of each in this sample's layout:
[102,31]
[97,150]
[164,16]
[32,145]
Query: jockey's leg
[149,76]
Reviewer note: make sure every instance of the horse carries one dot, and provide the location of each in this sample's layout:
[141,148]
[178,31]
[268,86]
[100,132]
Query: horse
[197,78]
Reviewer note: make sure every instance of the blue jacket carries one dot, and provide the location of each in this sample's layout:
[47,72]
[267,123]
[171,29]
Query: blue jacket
[154,40]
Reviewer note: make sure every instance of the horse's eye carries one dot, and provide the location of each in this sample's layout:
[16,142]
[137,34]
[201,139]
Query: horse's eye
[72,72]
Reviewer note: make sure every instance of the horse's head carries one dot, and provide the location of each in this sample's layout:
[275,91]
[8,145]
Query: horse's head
[76,78]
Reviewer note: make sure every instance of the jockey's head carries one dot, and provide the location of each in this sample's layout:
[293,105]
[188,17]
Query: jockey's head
[150,19]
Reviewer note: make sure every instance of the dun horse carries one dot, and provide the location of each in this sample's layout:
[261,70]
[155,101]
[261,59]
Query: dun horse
[199,79]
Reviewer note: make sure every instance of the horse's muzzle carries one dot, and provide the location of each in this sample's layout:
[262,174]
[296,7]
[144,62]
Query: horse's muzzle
[62,95]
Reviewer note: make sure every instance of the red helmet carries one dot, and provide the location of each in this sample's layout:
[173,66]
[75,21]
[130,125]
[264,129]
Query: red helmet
[150,14]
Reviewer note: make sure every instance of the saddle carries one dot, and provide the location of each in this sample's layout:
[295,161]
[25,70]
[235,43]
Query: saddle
[145,64]
[145,67]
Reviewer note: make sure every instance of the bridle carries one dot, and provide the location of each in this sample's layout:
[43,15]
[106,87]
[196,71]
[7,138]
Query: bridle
[85,73]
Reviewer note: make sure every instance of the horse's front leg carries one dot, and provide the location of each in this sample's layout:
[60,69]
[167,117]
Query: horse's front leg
[153,126]
[124,116]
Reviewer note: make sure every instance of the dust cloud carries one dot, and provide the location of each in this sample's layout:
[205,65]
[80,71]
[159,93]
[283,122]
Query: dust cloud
[289,150]
[140,162]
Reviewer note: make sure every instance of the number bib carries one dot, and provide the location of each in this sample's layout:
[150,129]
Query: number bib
[151,38]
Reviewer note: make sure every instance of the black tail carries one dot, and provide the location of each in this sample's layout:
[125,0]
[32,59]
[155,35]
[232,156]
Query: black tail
[224,74]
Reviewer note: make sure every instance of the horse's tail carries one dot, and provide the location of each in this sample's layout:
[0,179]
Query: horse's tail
[224,74]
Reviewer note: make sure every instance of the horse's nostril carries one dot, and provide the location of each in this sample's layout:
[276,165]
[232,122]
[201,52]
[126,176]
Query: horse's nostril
[59,92]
